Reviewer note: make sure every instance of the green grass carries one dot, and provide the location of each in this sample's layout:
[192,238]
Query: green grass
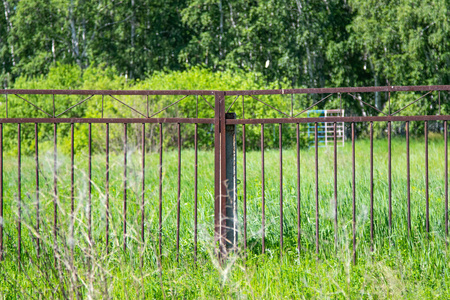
[399,267]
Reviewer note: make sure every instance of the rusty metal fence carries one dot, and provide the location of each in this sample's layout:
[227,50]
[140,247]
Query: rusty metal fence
[220,121]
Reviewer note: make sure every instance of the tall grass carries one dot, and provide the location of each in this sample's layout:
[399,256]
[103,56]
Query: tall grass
[400,266]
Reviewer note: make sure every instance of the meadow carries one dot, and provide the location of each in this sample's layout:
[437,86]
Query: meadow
[399,266]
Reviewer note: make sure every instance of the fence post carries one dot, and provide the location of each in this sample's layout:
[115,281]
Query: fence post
[219,173]
[225,202]
[231,182]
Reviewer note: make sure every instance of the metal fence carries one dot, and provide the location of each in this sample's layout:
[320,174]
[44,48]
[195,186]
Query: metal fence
[224,186]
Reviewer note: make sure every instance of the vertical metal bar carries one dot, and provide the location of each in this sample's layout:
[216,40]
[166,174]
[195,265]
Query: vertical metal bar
[125,188]
[143,183]
[371,189]
[217,223]
[263,221]
[244,166]
[243,107]
[426,181]
[292,105]
[408,179]
[220,172]
[389,99]
[223,174]
[446,181]
[107,188]
[280,146]
[325,126]
[148,107]
[90,186]
[160,188]
[299,233]
[36,158]
[1,193]
[178,192]
[196,189]
[143,191]
[354,193]
[55,182]
[54,110]
[335,189]
[244,154]
[317,186]
[103,96]
[19,193]
[72,187]
[390,176]
[6,100]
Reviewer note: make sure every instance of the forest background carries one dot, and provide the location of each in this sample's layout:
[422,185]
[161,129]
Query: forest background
[302,43]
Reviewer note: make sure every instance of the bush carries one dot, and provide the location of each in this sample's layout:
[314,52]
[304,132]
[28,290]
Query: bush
[105,78]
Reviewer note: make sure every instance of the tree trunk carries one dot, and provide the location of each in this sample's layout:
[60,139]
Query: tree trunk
[133,33]
[221,29]
[74,38]
[9,29]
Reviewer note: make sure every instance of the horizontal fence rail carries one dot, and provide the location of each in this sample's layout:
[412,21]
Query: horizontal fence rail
[140,140]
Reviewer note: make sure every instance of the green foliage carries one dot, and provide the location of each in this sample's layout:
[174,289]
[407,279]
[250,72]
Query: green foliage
[104,78]
[203,79]
[231,44]
[404,41]
[280,39]
[59,77]
[132,37]
[307,43]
